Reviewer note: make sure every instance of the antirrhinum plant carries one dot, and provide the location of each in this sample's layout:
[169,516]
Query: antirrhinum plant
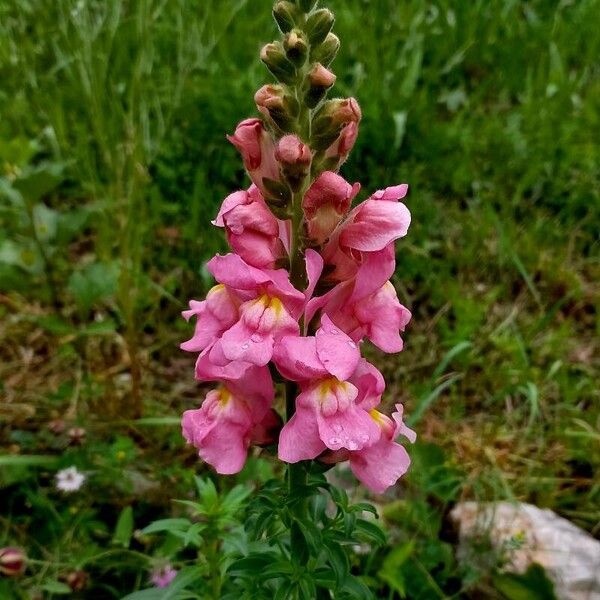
[306,282]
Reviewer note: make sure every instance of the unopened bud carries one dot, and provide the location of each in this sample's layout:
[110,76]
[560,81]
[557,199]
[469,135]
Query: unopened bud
[320,79]
[330,120]
[76,580]
[76,435]
[296,47]
[327,51]
[283,13]
[318,25]
[273,55]
[279,108]
[295,157]
[12,561]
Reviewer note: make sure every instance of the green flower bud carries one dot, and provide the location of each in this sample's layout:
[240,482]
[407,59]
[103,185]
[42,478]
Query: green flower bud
[331,118]
[273,55]
[296,47]
[284,13]
[326,52]
[318,25]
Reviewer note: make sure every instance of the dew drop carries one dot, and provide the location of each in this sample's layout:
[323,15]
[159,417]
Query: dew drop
[351,344]
[352,445]
[334,331]
[255,337]
[245,346]
[364,437]
[337,427]
[334,441]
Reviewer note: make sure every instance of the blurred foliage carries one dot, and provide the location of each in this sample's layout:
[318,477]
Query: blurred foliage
[112,163]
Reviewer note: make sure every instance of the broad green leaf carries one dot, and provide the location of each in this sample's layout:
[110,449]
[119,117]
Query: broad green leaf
[531,585]
[124,528]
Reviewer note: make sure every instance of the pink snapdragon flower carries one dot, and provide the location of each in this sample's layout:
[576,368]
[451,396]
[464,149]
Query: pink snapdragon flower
[223,427]
[328,409]
[367,234]
[253,232]
[269,310]
[377,315]
[380,465]
[258,152]
[325,204]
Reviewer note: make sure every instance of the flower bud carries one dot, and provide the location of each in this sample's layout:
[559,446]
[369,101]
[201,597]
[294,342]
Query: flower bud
[320,79]
[76,580]
[318,25]
[295,157]
[330,120]
[278,107]
[296,47]
[284,13]
[327,51]
[273,55]
[12,561]
[258,152]
[291,150]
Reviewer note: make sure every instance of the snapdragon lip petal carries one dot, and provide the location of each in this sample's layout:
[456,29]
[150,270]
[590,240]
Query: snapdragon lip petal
[352,429]
[226,449]
[296,359]
[299,439]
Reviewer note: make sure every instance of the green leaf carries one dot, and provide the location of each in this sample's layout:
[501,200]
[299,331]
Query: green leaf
[35,183]
[531,585]
[391,570]
[166,525]
[56,587]
[27,460]
[371,531]
[124,528]
[44,220]
[94,283]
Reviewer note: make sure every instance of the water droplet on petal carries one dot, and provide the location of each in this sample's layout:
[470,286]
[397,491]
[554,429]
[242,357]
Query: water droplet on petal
[334,331]
[352,445]
[351,344]
[337,427]
[256,337]
[334,441]
[364,437]
[245,346]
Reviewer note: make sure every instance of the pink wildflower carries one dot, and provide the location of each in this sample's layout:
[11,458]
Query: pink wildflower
[162,577]
[258,151]
[252,230]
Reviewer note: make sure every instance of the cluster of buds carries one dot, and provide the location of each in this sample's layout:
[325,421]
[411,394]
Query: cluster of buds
[12,561]
[307,280]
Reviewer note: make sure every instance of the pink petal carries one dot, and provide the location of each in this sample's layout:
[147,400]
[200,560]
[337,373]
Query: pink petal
[314,268]
[370,384]
[240,343]
[381,465]
[401,428]
[225,448]
[338,353]
[375,225]
[299,439]
[352,429]
[296,358]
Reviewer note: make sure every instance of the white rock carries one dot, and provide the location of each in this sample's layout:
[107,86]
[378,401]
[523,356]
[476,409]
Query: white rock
[570,556]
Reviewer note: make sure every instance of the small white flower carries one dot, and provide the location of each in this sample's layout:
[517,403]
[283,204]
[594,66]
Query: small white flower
[69,480]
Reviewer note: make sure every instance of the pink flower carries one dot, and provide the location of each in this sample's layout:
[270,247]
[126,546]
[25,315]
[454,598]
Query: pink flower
[163,576]
[252,230]
[338,152]
[258,151]
[214,315]
[291,150]
[379,466]
[325,204]
[368,233]
[222,428]
[328,412]
[379,316]
[12,561]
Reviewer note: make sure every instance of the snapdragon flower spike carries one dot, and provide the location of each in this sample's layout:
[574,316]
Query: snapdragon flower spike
[224,426]
[253,232]
[325,204]
[328,411]
[270,310]
[368,234]
[257,148]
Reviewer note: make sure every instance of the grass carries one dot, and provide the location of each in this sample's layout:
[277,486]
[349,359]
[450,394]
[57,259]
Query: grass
[488,109]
